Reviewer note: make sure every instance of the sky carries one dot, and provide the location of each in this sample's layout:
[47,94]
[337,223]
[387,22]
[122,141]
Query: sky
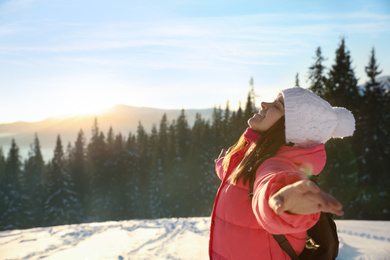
[68,57]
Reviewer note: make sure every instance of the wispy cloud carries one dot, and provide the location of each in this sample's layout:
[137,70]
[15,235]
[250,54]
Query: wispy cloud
[9,5]
[6,29]
[191,32]
[212,43]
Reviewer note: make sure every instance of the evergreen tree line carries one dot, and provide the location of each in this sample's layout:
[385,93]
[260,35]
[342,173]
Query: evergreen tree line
[169,171]
[357,169]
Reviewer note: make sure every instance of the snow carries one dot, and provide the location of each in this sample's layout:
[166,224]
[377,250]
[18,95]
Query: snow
[175,238]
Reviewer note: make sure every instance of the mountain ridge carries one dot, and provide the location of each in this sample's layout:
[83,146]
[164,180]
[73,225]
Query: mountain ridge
[122,118]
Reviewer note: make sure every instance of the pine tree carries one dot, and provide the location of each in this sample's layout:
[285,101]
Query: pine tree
[2,187]
[226,126]
[182,135]
[118,181]
[131,177]
[110,140]
[341,85]
[179,175]
[155,188]
[372,71]
[316,74]
[162,166]
[34,172]
[297,85]
[131,143]
[169,176]
[217,127]
[207,171]
[373,146]
[174,177]
[2,164]
[341,174]
[200,172]
[96,158]
[252,93]
[194,167]
[62,204]
[341,170]
[250,108]
[12,215]
[143,154]
[113,168]
[238,125]
[78,171]
[163,141]
[171,155]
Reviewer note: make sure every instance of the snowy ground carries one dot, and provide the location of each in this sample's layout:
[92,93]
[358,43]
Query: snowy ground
[183,238]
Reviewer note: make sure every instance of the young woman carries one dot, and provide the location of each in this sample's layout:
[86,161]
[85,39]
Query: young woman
[282,146]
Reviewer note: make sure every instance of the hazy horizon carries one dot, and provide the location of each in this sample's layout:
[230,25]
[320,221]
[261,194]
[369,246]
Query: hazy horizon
[123,119]
[102,111]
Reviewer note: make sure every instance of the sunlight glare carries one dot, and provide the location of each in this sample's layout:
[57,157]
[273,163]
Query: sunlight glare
[87,108]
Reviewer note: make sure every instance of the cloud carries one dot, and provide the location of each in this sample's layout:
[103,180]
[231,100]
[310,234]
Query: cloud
[7,29]
[226,43]
[218,34]
[12,5]
[209,43]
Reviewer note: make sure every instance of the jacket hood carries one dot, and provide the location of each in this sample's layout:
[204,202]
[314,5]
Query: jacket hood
[310,160]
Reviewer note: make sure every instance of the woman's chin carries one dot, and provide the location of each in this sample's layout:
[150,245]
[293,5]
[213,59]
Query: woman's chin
[253,122]
[254,128]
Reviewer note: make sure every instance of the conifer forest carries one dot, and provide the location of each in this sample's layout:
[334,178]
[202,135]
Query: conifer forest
[169,171]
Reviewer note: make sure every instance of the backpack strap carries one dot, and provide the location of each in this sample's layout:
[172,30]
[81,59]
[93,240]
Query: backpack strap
[285,245]
[281,239]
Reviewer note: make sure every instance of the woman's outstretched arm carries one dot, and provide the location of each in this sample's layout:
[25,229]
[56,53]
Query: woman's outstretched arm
[304,197]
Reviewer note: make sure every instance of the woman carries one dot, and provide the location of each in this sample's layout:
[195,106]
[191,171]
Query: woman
[282,146]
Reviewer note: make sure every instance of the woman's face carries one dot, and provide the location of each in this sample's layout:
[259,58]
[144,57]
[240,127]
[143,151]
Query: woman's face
[269,114]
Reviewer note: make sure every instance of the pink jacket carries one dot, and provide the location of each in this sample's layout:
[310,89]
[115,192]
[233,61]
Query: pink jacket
[241,228]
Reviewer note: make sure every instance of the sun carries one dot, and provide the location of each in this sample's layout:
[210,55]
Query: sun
[83,109]
[82,105]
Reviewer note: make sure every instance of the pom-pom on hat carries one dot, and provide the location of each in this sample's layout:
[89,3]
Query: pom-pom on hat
[310,120]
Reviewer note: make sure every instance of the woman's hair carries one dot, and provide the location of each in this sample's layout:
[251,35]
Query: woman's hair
[265,147]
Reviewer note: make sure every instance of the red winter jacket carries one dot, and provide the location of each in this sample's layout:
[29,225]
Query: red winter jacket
[241,228]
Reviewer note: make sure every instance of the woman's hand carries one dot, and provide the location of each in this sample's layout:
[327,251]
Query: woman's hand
[304,197]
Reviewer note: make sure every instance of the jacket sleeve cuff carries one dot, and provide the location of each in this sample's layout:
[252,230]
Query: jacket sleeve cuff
[284,223]
[219,168]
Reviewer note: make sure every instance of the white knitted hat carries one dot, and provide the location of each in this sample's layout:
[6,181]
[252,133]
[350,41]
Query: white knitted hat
[310,120]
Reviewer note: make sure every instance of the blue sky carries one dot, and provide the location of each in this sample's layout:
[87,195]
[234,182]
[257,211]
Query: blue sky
[62,57]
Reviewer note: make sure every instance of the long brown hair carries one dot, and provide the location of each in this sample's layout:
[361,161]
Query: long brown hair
[265,147]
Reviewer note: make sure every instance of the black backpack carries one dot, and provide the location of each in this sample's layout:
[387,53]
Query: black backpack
[322,242]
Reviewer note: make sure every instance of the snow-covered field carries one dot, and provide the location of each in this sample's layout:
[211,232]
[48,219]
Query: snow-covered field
[176,238]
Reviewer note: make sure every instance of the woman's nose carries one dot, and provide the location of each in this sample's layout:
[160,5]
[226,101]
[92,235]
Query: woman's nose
[264,105]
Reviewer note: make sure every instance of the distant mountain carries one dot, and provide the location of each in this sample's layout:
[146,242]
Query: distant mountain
[123,119]
[383,79]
